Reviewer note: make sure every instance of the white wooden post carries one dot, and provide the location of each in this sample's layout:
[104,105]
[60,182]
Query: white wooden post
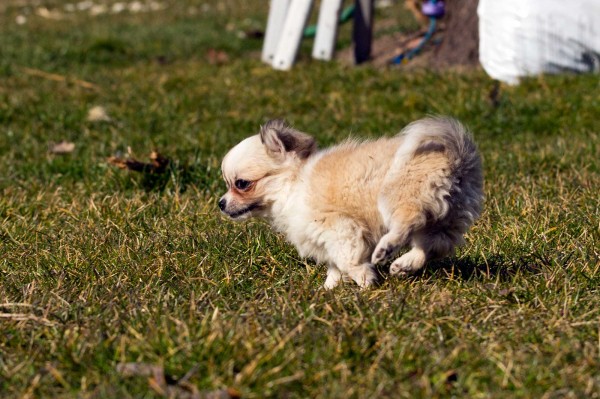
[327,29]
[277,12]
[295,20]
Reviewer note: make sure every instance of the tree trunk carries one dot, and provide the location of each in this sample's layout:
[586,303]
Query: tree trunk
[460,43]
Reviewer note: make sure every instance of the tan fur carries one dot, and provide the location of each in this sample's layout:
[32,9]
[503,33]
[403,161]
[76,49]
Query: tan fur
[355,191]
[356,204]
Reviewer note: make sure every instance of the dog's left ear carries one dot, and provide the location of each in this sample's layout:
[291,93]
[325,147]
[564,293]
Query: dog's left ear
[280,139]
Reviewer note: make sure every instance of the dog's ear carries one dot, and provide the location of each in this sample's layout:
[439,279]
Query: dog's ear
[280,139]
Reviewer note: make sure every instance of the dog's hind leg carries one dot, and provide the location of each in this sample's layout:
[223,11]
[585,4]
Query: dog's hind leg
[413,260]
[403,222]
[414,191]
[426,245]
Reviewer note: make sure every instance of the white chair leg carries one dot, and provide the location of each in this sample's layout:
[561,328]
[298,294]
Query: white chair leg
[327,29]
[291,34]
[277,12]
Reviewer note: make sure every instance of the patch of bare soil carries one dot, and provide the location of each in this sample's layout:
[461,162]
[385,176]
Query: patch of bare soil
[455,42]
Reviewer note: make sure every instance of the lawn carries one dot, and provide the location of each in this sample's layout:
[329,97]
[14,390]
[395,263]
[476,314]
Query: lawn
[103,269]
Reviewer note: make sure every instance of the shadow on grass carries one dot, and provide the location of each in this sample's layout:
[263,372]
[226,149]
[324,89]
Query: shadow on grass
[176,176]
[496,266]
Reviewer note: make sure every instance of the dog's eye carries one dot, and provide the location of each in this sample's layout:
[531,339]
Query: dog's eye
[242,184]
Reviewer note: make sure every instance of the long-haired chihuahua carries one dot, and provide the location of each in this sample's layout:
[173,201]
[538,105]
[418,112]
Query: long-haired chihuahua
[359,203]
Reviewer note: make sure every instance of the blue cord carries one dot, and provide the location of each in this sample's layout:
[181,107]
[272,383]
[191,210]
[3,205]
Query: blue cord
[408,55]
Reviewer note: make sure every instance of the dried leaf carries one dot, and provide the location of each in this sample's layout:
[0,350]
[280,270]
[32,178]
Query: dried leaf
[167,386]
[254,34]
[64,147]
[26,317]
[217,57]
[49,14]
[228,393]
[57,375]
[98,114]
[154,372]
[59,78]
[158,386]
[157,165]
[450,378]
[138,369]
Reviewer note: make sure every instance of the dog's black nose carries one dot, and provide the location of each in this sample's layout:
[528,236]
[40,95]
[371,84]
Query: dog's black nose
[222,204]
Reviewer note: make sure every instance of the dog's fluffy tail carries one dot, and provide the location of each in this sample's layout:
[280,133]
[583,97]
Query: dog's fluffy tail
[441,133]
[448,135]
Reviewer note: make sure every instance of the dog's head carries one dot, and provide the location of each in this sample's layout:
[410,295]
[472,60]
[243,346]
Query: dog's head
[256,169]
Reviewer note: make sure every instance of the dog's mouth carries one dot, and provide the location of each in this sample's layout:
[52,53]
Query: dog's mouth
[243,211]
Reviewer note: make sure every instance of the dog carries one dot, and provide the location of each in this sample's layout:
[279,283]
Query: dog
[357,204]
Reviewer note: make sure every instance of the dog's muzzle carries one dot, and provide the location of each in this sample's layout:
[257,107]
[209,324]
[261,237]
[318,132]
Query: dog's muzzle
[235,213]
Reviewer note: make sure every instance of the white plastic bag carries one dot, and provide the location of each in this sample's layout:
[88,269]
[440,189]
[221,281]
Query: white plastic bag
[526,37]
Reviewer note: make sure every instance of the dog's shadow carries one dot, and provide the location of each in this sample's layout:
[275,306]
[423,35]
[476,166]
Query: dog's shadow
[492,266]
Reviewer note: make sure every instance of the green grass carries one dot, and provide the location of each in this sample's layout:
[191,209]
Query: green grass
[100,266]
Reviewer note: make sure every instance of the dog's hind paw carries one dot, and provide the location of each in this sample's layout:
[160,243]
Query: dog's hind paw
[388,245]
[409,263]
[380,254]
[384,249]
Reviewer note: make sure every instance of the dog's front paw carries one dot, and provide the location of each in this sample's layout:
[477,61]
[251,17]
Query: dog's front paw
[330,284]
[333,278]
[364,275]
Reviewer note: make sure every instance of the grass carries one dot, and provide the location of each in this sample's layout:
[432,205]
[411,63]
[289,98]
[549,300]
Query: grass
[100,266]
